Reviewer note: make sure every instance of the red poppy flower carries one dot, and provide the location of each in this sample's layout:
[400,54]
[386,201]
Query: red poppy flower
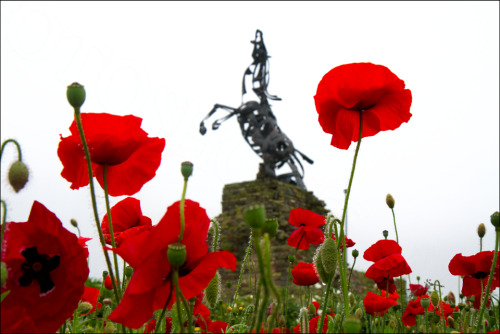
[393,296]
[309,232]
[377,304]
[150,285]
[83,242]
[305,274]
[47,270]
[443,309]
[108,284]
[16,320]
[117,141]
[127,219]
[218,327]
[381,249]
[91,295]
[390,266]
[313,325]
[413,309]
[382,285]
[348,242]
[347,90]
[418,289]
[474,269]
[201,316]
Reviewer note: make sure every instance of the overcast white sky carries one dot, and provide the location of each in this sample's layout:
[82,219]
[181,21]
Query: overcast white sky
[170,62]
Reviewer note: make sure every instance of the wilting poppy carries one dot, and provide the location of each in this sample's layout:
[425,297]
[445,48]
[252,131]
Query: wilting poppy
[474,269]
[116,141]
[309,232]
[418,289]
[127,219]
[377,304]
[348,90]
[413,309]
[150,285]
[47,270]
[305,274]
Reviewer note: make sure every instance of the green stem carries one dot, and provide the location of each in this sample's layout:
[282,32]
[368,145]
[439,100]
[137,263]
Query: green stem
[263,277]
[116,285]
[216,235]
[249,248]
[4,217]
[350,274]
[175,282]
[395,228]
[183,198]
[286,293]
[78,121]
[162,314]
[275,291]
[490,278]
[325,301]
[441,312]
[343,283]
[19,154]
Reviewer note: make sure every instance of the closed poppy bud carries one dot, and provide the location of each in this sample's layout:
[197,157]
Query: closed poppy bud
[291,259]
[359,313]
[128,271]
[434,298]
[84,307]
[3,274]
[104,274]
[385,233]
[75,94]
[18,175]
[451,321]
[329,255]
[352,325]
[451,298]
[495,220]
[312,309]
[390,201]
[212,290]
[355,253]
[74,222]
[186,169]
[110,327]
[107,301]
[481,230]
[323,275]
[176,254]
[255,216]
[425,303]
[392,323]
[270,227]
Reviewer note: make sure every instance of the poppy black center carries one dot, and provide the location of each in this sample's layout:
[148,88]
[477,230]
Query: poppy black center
[480,275]
[38,267]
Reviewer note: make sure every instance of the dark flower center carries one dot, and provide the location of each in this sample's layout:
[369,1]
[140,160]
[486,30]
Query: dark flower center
[38,267]
[480,275]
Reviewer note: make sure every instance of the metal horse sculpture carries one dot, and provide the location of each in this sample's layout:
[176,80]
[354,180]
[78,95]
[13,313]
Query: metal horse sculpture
[258,124]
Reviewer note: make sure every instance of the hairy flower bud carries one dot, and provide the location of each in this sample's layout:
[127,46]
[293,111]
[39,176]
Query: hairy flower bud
[291,259]
[434,298]
[176,254]
[212,291]
[352,299]
[107,301]
[186,169]
[451,321]
[359,313]
[270,227]
[312,309]
[318,262]
[18,175]
[495,220]
[110,327]
[75,94]
[329,255]
[84,307]
[128,271]
[481,230]
[390,201]
[255,216]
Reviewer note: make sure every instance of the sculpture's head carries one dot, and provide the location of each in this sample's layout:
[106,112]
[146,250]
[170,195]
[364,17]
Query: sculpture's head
[259,53]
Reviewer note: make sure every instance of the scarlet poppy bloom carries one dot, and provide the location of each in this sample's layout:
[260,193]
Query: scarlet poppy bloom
[279,330]
[305,274]
[418,289]
[313,325]
[150,285]
[350,89]
[116,141]
[127,220]
[381,249]
[91,295]
[413,309]
[47,270]
[108,284]
[309,232]
[443,309]
[218,327]
[201,315]
[348,242]
[377,304]
[474,269]
[83,242]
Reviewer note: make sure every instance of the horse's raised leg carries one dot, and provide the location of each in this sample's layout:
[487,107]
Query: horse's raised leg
[203,129]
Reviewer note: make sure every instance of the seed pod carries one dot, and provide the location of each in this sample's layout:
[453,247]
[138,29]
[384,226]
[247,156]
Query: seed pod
[75,94]
[329,255]
[425,302]
[176,254]
[18,175]
[270,227]
[212,291]
[186,169]
[255,216]
[495,220]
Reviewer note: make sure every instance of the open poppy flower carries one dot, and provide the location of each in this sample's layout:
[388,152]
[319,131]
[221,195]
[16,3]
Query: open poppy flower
[218,327]
[377,304]
[348,90]
[389,267]
[47,270]
[305,274]
[474,269]
[309,232]
[381,249]
[413,309]
[418,289]
[446,311]
[150,285]
[116,141]
[127,220]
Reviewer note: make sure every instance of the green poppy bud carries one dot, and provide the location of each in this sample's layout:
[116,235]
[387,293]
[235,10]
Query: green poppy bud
[176,254]
[329,255]
[355,253]
[359,313]
[212,291]
[84,307]
[481,230]
[18,175]
[73,222]
[75,94]
[352,325]
[352,300]
[129,271]
[291,259]
[104,275]
[270,227]
[255,216]
[312,309]
[323,275]
[3,274]
[451,299]
[186,169]
[390,201]
[495,220]
[110,327]
[385,233]
[392,323]
[451,321]
[425,302]
[434,298]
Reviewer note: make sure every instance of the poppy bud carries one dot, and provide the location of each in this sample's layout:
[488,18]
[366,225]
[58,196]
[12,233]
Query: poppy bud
[359,313]
[451,321]
[107,301]
[108,284]
[18,175]
[352,300]
[318,262]
[128,271]
[495,220]
[312,309]
[84,307]
[329,255]
[434,298]
[110,327]
[3,274]
[418,278]
[212,290]
[355,253]
[481,230]
[352,325]
[451,299]
[255,216]
[75,94]
[291,259]
[176,254]
[104,274]
[73,222]
[270,227]
[186,169]
[390,201]
[425,303]
[385,233]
